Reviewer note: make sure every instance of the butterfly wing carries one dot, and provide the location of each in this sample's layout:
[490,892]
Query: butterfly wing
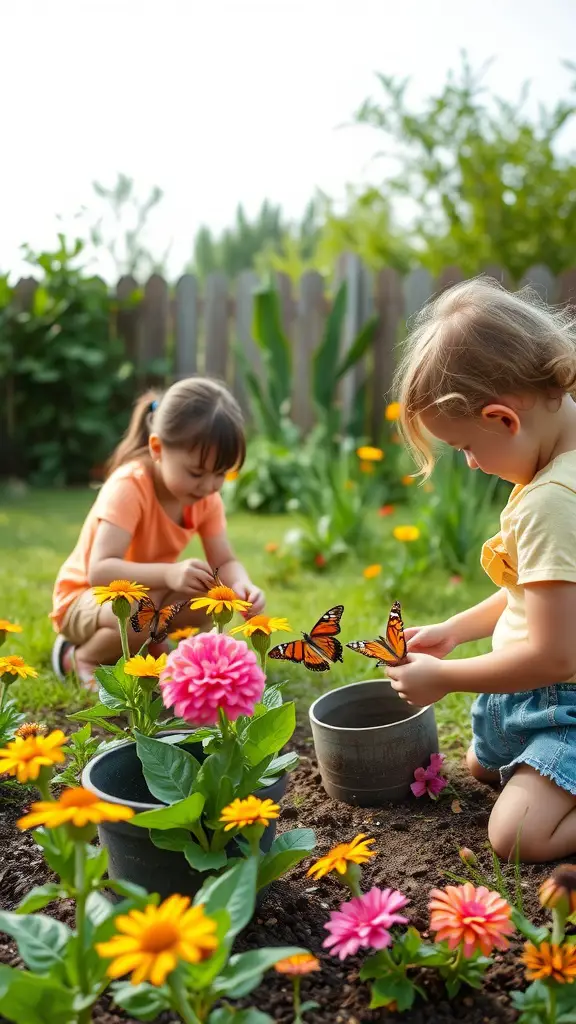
[301,653]
[389,650]
[329,624]
[161,624]
[329,646]
[144,616]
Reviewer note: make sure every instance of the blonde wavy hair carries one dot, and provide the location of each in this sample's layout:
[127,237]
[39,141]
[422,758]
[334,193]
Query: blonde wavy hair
[475,343]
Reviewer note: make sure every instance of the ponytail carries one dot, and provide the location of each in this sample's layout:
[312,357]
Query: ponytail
[134,444]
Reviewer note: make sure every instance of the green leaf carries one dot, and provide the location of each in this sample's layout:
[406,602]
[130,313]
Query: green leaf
[41,940]
[267,333]
[358,348]
[135,893]
[234,891]
[58,851]
[530,931]
[171,839]
[93,714]
[98,908]
[204,860]
[268,734]
[170,772]
[96,864]
[399,990]
[309,1005]
[326,356]
[219,778]
[26,998]
[280,765]
[228,1015]
[287,850]
[245,971]
[178,815]
[145,1002]
[272,697]
[40,896]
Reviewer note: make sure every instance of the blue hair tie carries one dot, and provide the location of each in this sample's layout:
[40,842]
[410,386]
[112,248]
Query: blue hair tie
[153,405]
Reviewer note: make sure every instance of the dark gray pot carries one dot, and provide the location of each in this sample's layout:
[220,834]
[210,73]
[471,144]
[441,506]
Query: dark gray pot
[369,742]
[116,776]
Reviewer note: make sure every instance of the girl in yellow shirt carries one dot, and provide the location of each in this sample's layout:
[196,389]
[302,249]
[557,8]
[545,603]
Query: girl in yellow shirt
[491,374]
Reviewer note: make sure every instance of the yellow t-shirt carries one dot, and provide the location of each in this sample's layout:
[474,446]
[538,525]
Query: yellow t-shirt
[537,542]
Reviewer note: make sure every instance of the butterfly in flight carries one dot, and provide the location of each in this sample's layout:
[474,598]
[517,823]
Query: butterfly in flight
[389,649]
[319,648]
[156,620]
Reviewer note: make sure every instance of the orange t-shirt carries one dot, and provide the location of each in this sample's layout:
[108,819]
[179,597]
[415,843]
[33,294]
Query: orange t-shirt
[128,500]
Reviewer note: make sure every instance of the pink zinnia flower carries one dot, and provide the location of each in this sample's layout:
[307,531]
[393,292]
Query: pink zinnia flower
[364,921]
[211,671]
[475,918]
[428,780]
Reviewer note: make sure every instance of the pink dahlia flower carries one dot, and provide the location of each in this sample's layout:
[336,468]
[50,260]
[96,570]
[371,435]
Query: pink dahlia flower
[211,671]
[364,921]
[428,780]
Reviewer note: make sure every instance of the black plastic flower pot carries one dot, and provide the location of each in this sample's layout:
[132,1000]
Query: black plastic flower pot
[116,776]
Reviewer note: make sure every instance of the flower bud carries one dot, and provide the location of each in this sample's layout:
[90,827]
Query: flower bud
[468,857]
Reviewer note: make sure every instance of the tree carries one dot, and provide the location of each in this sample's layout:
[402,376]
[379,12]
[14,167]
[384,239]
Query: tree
[489,183]
[121,228]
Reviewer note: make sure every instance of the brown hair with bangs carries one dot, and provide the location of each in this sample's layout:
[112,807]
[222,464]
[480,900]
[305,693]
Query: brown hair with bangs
[475,343]
[195,413]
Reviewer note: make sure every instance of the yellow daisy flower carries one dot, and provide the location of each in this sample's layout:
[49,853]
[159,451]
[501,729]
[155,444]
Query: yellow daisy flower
[251,811]
[24,757]
[219,599]
[371,571]
[77,806]
[406,533]
[9,627]
[341,856]
[393,412]
[119,588]
[263,624]
[367,453]
[152,942]
[14,665]
[145,666]
[183,634]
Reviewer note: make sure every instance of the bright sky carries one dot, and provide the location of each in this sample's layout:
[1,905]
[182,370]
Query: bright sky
[221,101]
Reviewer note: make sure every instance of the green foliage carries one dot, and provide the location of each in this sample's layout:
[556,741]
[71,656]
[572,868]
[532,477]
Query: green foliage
[82,747]
[65,385]
[489,184]
[10,718]
[275,471]
[459,513]
[121,227]
[536,1007]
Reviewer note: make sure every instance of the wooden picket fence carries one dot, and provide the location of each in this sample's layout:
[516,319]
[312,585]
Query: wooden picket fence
[185,331]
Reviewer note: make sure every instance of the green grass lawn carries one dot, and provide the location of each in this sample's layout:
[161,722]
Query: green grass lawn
[38,529]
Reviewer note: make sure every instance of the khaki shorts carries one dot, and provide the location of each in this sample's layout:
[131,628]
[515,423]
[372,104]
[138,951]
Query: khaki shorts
[81,620]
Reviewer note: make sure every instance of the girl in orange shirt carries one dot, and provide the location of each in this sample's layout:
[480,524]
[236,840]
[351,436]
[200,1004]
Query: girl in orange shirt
[163,488]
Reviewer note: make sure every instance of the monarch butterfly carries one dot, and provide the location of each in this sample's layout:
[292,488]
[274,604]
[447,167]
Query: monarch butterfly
[319,648]
[390,649]
[156,620]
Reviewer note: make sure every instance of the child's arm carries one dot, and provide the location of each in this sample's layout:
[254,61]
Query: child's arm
[220,555]
[473,624]
[107,563]
[548,656]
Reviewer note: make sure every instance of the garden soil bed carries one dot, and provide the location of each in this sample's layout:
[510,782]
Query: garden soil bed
[416,841]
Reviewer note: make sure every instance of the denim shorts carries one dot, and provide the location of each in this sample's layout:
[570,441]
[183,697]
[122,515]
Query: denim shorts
[536,727]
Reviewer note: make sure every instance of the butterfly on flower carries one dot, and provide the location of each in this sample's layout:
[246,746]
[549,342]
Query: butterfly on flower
[156,620]
[390,649]
[319,648]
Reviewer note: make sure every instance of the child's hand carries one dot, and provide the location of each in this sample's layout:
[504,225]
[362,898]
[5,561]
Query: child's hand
[249,592]
[437,640]
[192,577]
[420,679]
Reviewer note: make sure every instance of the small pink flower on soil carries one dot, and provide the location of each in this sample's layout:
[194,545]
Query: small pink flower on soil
[364,921]
[211,671]
[428,781]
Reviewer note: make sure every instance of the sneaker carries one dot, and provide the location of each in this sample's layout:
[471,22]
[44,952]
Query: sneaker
[60,648]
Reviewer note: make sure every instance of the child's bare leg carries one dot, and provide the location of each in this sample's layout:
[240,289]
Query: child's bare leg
[539,812]
[476,769]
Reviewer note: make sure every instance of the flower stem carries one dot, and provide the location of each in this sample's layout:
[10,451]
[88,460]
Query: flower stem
[122,624]
[558,925]
[551,1006]
[297,1002]
[180,1001]
[79,884]
[224,725]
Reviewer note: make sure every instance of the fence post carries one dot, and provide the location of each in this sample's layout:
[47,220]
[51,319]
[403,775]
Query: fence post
[154,333]
[418,287]
[389,301]
[186,327]
[245,285]
[128,316]
[542,280]
[309,327]
[216,325]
